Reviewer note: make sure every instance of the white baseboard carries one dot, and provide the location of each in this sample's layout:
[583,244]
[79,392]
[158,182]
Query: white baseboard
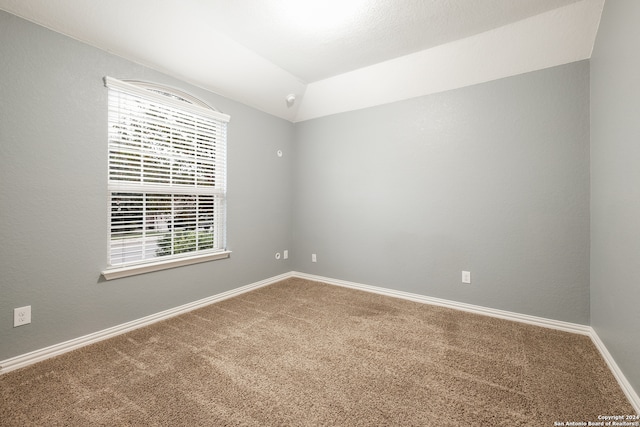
[628,390]
[57,349]
[508,315]
[64,347]
[626,387]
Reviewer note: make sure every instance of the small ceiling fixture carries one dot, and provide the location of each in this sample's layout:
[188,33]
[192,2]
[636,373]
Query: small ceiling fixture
[291,99]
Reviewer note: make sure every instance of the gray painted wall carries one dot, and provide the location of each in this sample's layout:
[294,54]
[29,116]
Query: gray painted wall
[53,199]
[492,178]
[615,185]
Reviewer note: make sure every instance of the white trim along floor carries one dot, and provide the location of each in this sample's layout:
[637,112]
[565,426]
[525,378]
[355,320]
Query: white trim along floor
[56,349]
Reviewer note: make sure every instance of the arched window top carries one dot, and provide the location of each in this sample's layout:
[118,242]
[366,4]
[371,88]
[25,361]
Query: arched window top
[170,92]
[166,94]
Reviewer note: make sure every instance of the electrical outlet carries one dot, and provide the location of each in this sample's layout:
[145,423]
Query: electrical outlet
[314,258]
[466,277]
[277,255]
[21,316]
[285,254]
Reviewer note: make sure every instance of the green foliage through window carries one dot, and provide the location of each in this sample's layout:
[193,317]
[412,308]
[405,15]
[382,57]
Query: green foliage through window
[184,241]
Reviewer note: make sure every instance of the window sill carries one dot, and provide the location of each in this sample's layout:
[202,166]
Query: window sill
[132,270]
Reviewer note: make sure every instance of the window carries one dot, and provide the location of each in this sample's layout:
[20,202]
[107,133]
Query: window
[167,179]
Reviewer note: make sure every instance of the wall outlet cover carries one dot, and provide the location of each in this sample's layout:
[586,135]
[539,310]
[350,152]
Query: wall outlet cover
[21,316]
[466,277]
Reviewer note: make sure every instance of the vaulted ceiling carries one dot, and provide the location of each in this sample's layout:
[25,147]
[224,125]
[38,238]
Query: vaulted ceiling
[332,55]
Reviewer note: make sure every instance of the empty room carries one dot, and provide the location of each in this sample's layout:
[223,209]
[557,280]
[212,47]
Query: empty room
[319,213]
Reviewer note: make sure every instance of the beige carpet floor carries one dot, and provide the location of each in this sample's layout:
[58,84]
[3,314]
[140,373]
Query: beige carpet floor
[300,353]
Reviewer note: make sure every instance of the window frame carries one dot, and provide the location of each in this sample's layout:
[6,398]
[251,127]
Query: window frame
[171,99]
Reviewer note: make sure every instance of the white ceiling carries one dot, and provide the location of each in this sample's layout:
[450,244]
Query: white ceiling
[334,55]
[316,39]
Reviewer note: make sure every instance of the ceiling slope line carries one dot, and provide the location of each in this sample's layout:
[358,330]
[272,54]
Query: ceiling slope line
[521,47]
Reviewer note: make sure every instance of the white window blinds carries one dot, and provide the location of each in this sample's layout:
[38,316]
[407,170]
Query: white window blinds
[167,175]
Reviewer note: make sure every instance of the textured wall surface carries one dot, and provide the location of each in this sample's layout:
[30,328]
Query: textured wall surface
[493,179]
[53,194]
[615,185]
